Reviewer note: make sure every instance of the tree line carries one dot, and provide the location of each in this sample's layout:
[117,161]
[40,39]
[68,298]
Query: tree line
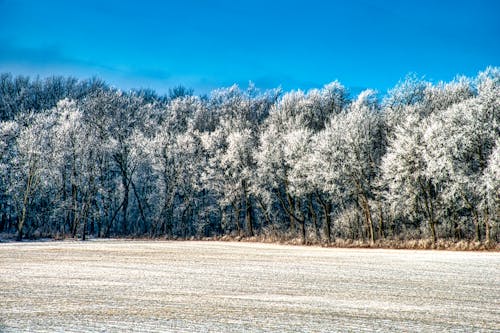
[79,158]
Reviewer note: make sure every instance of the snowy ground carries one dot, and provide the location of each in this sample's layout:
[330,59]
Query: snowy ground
[117,286]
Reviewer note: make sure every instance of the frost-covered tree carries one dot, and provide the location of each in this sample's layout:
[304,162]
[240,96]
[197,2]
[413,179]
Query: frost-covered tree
[346,157]
[293,119]
[231,146]
[413,191]
[76,152]
[412,194]
[491,192]
[173,158]
[20,94]
[28,169]
[400,99]
[79,158]
[9,131]
[459,141]
[120,115]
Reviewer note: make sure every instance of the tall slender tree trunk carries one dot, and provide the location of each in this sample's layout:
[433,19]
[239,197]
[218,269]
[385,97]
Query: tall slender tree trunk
[477,228]
[264,212]
[237,211]
[328,221]
[143,227]
[74,195]
[291,210]
[26,201]
[74,209]
[20,225]
[125,204]
[475,217]
[314,217]
[67,214]
[92,227]
[429,207]
[84,232]
[432,225]
[249,216]
[304,231]
[368,217]
[3,223]
[487,226]
[327,210]
[248,209]
[291,207]
[22,219]
[381,233]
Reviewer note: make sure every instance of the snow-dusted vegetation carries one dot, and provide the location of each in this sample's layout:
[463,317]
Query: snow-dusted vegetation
[120,286]
[78,158]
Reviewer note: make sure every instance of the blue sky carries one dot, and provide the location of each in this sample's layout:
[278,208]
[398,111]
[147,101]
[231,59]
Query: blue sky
[209,44]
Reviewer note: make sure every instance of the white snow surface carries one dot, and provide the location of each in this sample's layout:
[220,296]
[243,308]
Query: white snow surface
[194,286]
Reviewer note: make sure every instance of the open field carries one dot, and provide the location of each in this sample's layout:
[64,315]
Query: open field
[117,286]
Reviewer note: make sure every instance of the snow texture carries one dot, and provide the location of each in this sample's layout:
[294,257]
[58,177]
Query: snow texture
[133,286]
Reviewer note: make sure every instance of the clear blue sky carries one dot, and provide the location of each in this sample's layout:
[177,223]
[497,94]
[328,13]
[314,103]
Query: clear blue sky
[208,44]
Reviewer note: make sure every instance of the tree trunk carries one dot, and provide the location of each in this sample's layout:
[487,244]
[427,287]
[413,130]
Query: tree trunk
[291,207]
[303,229]
[19,236]
[84,232]
[141,209]
[248,210]
[237,211]
[3,224]
[370,223]
[74,199]
[169,225]
[432,225]
[314,217]
[475,219]
[20,221]
[328,221]
[249,216]
[290,210]
[24,210]
[327,209]
[429,207]
[368,217]
[67,215]
[74,225]
[92,227]
[487,226]
[125,205]
[264,212]
[381,233]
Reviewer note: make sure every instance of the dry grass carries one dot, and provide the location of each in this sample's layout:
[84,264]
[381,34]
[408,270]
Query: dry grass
[158,286]
[410,244]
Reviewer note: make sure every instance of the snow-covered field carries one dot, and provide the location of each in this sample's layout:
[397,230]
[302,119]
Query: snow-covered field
[132,286]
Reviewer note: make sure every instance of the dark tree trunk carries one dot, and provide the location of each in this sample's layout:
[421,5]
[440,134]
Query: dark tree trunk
[3,223]
[264,212]
[248,210]
[487,226]
[237,211]
[249,217]
[84,232]
[19,236]
[291,210]
[124,205]
[327,210]
[314,217]
[381,233]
